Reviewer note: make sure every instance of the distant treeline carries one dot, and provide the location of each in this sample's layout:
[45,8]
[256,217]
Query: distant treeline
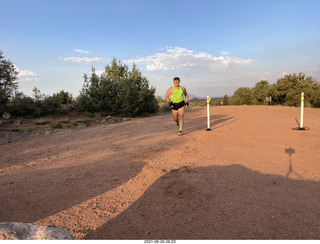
[286,91]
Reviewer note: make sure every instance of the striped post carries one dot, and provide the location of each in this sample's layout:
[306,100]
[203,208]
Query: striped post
[208,114]
[302,107]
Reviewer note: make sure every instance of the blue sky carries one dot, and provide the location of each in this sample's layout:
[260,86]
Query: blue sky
[214,46]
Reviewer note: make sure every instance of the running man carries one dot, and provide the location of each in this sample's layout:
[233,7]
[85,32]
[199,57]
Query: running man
[177,103]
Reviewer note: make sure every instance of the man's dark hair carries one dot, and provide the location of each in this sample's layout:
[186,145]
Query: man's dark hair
[176,78]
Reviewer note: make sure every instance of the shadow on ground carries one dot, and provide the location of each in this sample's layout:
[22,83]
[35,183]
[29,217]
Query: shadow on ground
[198,123]
[28,201]
[220,202]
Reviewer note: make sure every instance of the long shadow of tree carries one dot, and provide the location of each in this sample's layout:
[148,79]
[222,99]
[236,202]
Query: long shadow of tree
[220,202]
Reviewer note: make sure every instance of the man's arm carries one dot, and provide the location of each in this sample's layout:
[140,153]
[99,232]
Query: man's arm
[185,94]
[169,92]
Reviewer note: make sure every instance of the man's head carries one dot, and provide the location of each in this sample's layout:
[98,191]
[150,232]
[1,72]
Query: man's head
[176,81]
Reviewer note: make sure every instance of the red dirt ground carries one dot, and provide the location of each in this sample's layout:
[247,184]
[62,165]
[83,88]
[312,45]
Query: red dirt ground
[251,177]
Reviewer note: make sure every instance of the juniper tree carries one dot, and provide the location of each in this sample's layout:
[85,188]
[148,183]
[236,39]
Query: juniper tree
[8,81]
[118,91]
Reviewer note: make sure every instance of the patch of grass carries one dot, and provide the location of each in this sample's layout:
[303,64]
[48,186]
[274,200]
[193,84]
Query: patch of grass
[56,126]
[86,122]
[64,121]
[74,124]
[17,122]
[77,122]
[89,114]
[43,122]
[14,129]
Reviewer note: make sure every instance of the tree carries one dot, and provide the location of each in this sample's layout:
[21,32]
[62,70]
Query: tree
[287,90]
[63,97]
[242,95]
[216,102]
[315,100]
[260,92]
[225,100]
[118,91]
[8,77]
[37,94]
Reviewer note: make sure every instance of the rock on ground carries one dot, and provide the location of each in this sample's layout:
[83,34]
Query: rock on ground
[26,231]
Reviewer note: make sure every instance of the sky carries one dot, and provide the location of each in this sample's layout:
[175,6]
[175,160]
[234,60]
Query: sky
[214,46]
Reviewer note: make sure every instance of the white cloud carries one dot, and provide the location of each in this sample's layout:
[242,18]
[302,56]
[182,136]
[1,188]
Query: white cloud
[284,73]
[178,58]
[99,72]
[225,53]
[81,51]
[27,75]
[202,73]
[312,71]
[84,60]
[273,75]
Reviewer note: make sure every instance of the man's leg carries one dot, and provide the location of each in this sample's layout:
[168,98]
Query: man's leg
[175,115]
[181,118]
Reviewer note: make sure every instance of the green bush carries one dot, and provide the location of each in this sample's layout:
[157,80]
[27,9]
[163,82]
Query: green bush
[23,106]
[118,92]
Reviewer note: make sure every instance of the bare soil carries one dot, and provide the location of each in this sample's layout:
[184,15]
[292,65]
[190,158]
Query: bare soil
[251,177]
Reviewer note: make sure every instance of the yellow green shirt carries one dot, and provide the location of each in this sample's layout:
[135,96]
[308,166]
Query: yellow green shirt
[177,95]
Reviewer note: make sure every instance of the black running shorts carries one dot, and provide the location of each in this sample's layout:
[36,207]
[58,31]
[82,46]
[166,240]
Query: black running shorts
[176,106]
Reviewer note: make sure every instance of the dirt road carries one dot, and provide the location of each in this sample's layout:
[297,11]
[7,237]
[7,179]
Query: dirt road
[251,177]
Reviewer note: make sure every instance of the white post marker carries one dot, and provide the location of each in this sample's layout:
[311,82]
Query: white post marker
[302,107]
[208,114]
